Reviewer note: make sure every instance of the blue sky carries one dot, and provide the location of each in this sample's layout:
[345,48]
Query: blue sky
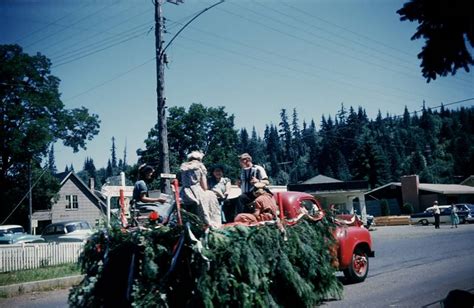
[253,57]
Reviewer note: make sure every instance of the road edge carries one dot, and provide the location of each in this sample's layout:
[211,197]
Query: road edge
[41,285]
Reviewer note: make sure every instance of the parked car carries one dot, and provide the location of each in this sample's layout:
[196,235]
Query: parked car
[15,234]
[68,231]
[425,218]
[463,211]
[470,215]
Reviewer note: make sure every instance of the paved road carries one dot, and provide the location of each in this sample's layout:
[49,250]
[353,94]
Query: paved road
[415,266]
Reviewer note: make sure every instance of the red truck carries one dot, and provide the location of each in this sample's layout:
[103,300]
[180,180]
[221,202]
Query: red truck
[354,241]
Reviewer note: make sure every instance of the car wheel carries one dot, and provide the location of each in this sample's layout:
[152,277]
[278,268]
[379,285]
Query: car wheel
[424,222]
[359,267]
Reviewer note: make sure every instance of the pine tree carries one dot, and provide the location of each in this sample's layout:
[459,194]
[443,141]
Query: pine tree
[124,161]
[51,161]
[114,156]
[297,144]
[243,141]
[109,171]
[285,135]
[273,150]
[309,136]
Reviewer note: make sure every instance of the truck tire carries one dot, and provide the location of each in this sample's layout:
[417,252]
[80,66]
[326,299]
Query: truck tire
[359,267]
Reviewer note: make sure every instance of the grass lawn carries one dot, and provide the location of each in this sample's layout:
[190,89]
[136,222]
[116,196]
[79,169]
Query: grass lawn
[39,274]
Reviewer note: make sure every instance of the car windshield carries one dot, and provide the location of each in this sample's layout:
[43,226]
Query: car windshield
[12,231]
[72,228]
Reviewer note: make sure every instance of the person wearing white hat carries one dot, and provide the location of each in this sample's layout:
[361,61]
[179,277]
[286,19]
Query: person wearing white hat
[194,193]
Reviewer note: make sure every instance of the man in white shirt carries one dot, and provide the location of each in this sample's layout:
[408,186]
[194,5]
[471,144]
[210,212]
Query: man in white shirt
[249,175]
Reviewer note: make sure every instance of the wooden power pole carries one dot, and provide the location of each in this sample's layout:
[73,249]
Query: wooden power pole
[161,100]
[160,49]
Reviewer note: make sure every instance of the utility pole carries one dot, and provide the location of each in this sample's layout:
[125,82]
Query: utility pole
[160,87]
[30,199]
[161,100]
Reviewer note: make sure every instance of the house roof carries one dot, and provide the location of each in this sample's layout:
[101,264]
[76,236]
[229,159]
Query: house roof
[447,188]
[470,180]
[436,188]
[64,176]
[320,179]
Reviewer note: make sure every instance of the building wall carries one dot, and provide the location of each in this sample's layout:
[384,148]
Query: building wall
[410,184]
[86,210]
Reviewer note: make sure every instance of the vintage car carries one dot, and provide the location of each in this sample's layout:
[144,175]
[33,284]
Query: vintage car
[427,217]
[354,241]
[15,234]
[470,216]
[67,231]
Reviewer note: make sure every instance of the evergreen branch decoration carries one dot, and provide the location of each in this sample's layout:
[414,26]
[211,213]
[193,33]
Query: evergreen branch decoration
[235,266]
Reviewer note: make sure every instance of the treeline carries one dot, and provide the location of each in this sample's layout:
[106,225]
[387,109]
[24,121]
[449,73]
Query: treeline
[435,144]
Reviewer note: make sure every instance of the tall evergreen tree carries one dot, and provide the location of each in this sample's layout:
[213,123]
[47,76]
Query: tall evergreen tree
[297,144]
[273,150]
[243,141]
[285,135]
[113,151]
[310,140]
[109,171]
[51,161]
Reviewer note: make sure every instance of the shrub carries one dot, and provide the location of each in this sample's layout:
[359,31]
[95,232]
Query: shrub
[407,208]
[384,207]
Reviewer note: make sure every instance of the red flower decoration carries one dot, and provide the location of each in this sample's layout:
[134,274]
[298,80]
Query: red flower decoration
[98,248]
[153,216]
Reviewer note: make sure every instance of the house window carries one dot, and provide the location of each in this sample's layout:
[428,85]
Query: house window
[71,202]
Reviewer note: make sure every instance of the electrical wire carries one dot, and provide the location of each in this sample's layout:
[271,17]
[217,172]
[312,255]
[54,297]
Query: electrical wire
[312,15]
[24,197]
[267,52]
[71,25]
[300,38]
[109,80]
[54,22]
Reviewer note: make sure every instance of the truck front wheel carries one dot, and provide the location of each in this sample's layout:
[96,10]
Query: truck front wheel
[359,267]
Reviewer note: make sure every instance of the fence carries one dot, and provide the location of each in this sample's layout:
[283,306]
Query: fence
[29,256]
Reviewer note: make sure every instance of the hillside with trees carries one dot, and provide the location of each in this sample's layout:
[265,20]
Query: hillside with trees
[435,144]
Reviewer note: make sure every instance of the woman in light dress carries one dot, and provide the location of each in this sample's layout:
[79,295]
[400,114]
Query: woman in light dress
[194,193]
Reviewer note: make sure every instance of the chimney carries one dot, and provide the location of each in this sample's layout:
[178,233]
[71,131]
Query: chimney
[410,194]
[91,184]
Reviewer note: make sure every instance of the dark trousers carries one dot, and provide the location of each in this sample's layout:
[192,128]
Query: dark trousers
[244,200]
[436,217]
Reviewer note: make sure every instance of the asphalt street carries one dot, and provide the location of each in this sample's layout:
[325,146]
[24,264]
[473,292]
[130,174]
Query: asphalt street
[414,266]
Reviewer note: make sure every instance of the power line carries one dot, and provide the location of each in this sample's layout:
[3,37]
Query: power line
[310,74]
[93,29]
[71,25]
[356,33]
[24,197]
[266,52]
[383,66]
[268,8]
[109,80]
[81,55]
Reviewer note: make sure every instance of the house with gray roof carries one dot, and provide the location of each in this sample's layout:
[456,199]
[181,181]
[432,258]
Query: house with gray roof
[422,195]
[75,201]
